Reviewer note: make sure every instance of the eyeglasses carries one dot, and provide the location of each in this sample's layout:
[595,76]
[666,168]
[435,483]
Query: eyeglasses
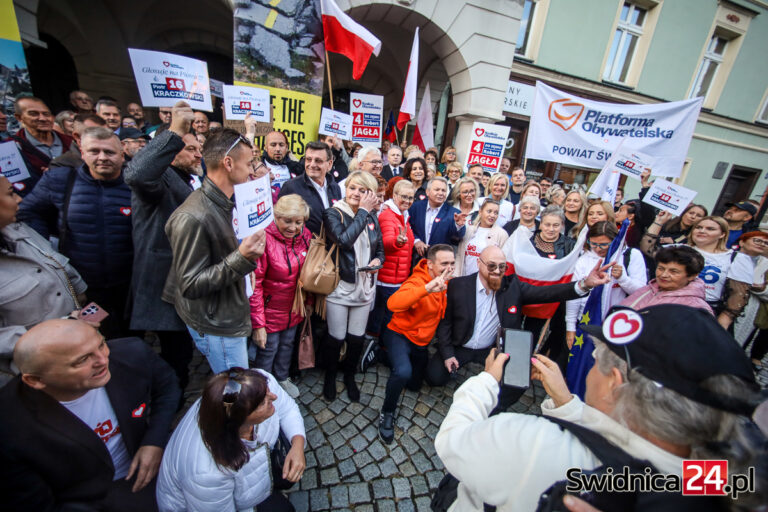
[231,388]
[239,139]
[405,198]
[467,192]
[760,241]
[373,162]
[493,267]
[600,246]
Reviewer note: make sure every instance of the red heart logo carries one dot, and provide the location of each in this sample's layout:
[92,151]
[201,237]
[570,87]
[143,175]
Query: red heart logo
[357,103]
[139,411]
[479,132]
[166,63]
[125,211]
[512,309]
[622,326]
[19,186]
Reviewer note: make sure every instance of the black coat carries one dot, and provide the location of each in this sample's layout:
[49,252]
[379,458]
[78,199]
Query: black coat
[458,323]
[387,174]
[512,225]
[301,185]
[344,234]
[157,189]
[50,460]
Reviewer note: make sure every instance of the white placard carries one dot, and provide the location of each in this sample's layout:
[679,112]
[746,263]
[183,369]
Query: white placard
[253,201]
[367,111]
[335,123]
[217,88]
[164,78]
[669,197]
[239,100]
[519,98]
[633,163]
[486,146]
[11,164]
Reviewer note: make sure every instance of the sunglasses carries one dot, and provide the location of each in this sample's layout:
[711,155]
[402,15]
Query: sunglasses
[600,246]
[232,388]
[239,139]
[493,267]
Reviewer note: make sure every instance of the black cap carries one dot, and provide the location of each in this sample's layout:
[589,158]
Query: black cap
[678,347]
[132,133]
[744,205]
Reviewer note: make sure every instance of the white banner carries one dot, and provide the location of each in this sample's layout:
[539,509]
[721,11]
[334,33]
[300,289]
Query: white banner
[633,163]
[669,197]
[240,99]
[367,111]
[335,123]
[217,88]
[486,146]
[607,182]
[164,78]
[253,204]
[11,164]
[575,131]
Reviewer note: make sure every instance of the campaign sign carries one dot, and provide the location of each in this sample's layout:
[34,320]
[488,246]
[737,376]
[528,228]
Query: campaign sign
[11,164]
[335,123]
[164,79]
[253,201]
[367,111]
[633,163]
[239,100]
[669,197]
[486,146]
[217,88]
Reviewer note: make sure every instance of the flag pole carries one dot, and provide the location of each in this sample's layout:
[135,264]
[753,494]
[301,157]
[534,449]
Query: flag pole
[405,133]
[328,70]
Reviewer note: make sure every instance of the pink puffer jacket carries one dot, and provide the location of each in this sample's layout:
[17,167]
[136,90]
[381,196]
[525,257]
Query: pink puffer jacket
[276,276]
[691,295]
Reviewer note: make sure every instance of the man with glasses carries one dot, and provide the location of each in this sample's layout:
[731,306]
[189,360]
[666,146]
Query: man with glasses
[480,304]
[316,186]
[161,177]
[207,281]
[393,167]
[81,101]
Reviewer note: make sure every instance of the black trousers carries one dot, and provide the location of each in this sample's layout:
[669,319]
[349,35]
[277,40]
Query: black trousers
[555,345]
[176,348]
[121,499]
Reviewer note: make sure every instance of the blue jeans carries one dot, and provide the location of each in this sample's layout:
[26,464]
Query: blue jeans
[222,352]
[275,358]
[380,315]
[408,362]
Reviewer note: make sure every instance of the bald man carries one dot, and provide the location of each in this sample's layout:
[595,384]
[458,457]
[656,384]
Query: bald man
[90,419]
[480,303]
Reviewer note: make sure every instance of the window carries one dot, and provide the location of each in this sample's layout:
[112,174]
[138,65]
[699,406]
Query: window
[526,21]
[629,30]
[762,114]
[531,29]
[713,58]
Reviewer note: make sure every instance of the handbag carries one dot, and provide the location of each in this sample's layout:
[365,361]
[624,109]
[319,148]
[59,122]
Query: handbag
[277,455]
[320,273]
[306,346]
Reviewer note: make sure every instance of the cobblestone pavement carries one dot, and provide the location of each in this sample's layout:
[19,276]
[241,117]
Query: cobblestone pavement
[348,466]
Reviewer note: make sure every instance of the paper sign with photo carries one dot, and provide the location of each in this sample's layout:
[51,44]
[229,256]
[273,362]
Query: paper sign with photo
[239,100]
[669,197]
[165,78]
[253,201]
[11,164]
[335,123]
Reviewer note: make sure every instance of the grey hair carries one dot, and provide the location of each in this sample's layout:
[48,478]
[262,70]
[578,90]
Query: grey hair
[364,152]
[552,210]
[530,200]
[554,189]
[435,180]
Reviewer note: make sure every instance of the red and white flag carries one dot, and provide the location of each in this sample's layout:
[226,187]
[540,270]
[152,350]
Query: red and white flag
[408,107]
[346,36]
[530,267]
[424,136]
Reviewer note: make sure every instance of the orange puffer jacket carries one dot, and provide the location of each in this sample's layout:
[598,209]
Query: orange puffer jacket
[397,261]
[416,311]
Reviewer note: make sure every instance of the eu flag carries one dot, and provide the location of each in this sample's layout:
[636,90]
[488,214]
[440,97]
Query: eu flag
[580,358]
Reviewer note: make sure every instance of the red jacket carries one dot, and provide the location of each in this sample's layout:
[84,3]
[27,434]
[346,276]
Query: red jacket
[397,261]
[276,276]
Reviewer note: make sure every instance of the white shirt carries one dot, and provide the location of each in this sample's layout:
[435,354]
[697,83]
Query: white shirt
[486,318]
[95,410]
[323,191]
[430,217]
[718,267]
[280,173]
[473,250]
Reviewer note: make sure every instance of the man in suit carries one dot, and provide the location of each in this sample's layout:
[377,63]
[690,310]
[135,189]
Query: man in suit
[89,426]
[433,220]
[471,322]
[393,167]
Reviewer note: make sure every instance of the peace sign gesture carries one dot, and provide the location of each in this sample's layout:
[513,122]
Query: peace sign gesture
[440,283]
[402,236]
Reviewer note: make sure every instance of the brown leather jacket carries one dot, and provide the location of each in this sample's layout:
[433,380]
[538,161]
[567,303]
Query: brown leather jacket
[207,278]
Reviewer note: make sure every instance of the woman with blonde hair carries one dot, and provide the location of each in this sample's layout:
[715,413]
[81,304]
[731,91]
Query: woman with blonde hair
[555,195]
[464,196]
[449,156]
[352,226]
[498,190]
[574,207]
[597,211]
[452,173]
[482,232]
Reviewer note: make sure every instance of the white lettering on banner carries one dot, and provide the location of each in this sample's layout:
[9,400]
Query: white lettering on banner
[576,131]
[12,164]
[335,123]
[253,201]
[367,111]
[486,145]
[239,100]
[519,98]
[165,78]
[669,197]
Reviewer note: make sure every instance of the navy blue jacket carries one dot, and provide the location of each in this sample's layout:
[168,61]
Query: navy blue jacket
[98,240]
[443,228]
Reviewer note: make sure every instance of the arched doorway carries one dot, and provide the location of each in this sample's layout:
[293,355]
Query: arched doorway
[52,72]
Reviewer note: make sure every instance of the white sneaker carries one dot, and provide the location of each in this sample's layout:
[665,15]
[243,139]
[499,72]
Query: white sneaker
[289,387]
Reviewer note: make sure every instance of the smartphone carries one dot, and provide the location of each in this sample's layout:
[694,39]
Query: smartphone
[93,313]
[519,345]
[369,268]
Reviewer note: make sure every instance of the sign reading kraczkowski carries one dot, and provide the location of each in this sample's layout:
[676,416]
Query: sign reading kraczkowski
[572,130]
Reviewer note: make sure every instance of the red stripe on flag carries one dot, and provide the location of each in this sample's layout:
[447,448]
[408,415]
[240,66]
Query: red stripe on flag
[340,40]
[543,311]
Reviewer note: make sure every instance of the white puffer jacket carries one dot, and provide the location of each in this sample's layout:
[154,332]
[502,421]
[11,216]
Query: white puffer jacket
[190,480]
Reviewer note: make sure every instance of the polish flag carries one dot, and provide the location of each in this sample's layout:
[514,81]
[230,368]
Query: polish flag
[408,107]
[345,36]
[423,136]
[531,268]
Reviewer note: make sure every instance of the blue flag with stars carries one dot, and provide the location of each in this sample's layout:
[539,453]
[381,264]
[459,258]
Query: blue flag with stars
[580,358]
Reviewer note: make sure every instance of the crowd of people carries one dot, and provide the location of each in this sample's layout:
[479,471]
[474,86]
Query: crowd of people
[123,230]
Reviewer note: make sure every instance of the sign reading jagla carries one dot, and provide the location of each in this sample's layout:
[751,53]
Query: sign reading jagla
[572,130]
[367,112]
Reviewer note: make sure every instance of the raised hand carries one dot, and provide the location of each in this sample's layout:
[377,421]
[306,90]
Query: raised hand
[440,283]
[598,275]
[402,236]
[548,372]
[369,201]
[460,219]
[181,118]
[252,246]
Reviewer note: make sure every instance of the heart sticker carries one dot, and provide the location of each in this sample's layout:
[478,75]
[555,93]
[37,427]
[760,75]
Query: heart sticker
[512,309]
[139,411]
[479,132]
[125,211]
[622,327]
[19,186]
[437,219]
[357,103]
[166,63]
[371,226]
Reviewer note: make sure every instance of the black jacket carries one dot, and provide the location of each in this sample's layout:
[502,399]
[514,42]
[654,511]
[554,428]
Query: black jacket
[387,174]
[458,323]
[344,234]
[50,460]
[512,225]
[339,170]
[301,185]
